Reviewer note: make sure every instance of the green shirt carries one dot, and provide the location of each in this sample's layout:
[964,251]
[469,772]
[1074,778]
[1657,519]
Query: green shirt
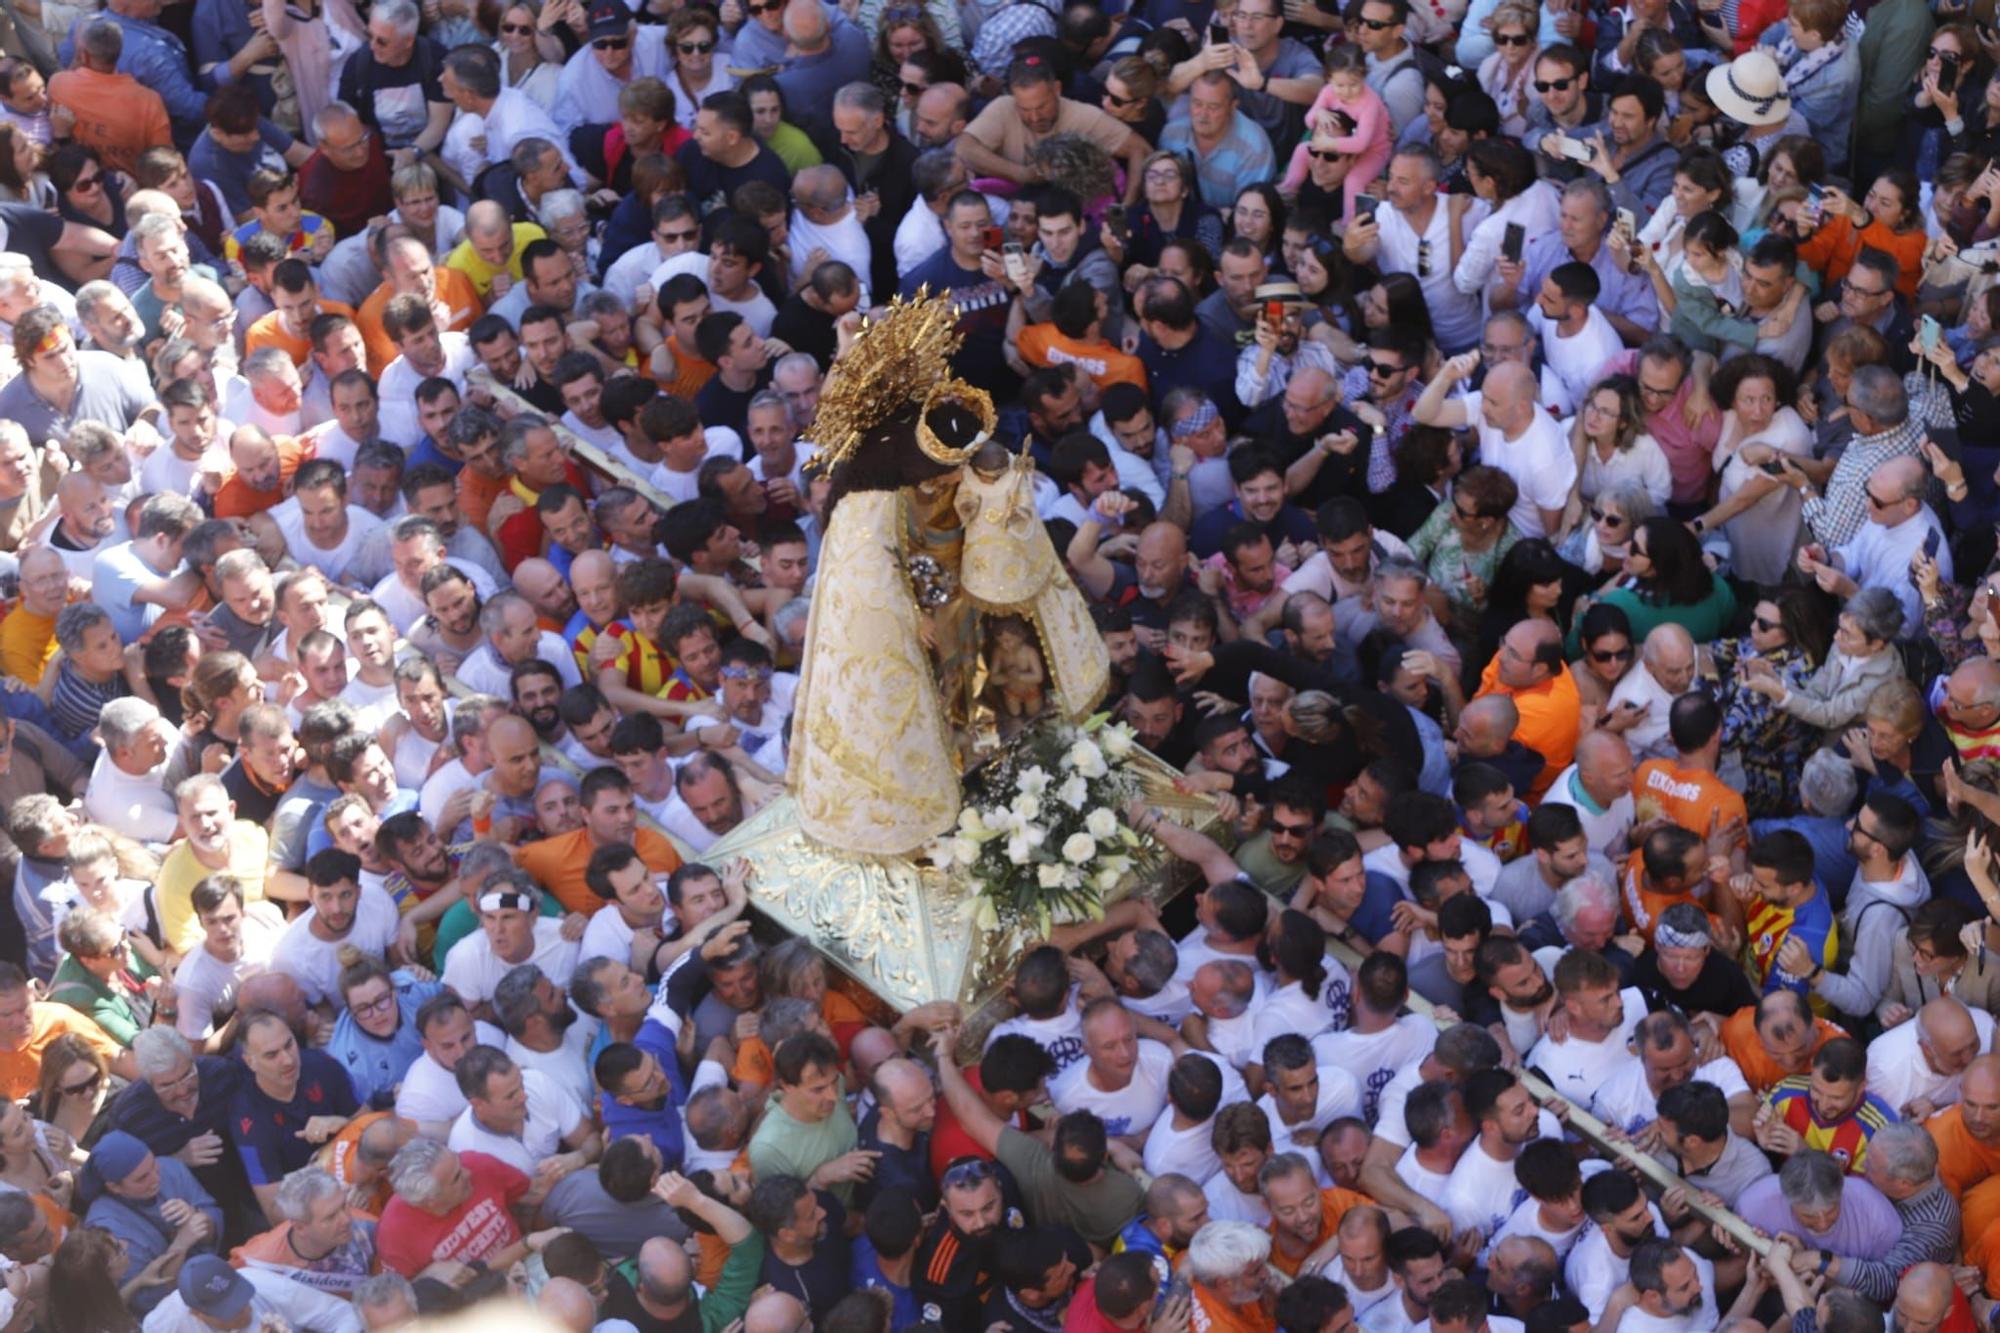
[793,148]
[1097,1211]
[1270,874]
[725,1302]
[1704,621]
[783,1146]
[121,1014]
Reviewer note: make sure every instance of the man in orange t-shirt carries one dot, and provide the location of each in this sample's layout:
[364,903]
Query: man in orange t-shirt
[1234,1301]
[609,816]
[28,1026]
[1673,866]
[1530,670]
[265,465]
[1303,1216]
[1685,788]
[1775,1038]
[1074,336]
[1968,1143]
[454,300]
[298,302]
[116,115]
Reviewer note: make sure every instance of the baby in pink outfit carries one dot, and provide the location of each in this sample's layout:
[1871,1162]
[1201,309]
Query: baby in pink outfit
[1353,110]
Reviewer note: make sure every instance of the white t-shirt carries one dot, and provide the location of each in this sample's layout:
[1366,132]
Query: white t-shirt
[1290,1009]
[1481,866]
[373,705]
[405,608]
[315,963]
[607,935]
[1188,1152]
[1482,1192]
[1389,1107]
[1698,1320]
[722,442]
[1129,1110]
[1899,1074]
[333,563]
[1577,1068]
[204,982]
[552,1115]
[1339,1095]
[1061,1036]
[1364,1302]
[1541,463]
[473,971]
[1426,1183]
[1226,1203]
[1572,365]
[1605,830]
[1625,1101]
[565,1066]
[1592,1272]
[429,1092]
[134,804]
[1374,1057]
[448,781]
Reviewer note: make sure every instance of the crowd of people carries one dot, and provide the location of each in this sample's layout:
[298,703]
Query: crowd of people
[1532,468]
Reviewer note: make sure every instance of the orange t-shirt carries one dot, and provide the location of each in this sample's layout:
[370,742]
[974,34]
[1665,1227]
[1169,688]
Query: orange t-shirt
[843,1018]
[1694,798]
[476,494]
[1642,903]
[1046,345]
[270,331]
[690,373]
[336,1157]
[1551,717]
[236,500]
[21,1069]
[1333,1205]
[1212,1314]
[115,114]
[1832,250]
[1963,1161]
[453,288]
[558,863]
[1760,1071]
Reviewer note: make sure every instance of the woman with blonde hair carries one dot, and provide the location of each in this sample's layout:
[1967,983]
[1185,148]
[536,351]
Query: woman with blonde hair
[221,686]
[530,48]
[1883,745]
[419,206]
[1612,446]
[1507,76]
[1131,91]
[694,41]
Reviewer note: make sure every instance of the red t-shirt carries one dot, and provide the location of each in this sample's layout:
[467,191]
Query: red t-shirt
[410,1239]
[1083,1315]
[949,1141]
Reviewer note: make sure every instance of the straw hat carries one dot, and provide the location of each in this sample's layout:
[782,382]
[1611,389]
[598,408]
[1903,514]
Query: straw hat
[1750,89]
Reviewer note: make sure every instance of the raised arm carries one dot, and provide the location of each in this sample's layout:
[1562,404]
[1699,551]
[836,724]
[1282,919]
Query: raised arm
[1188,844]
[974,1116]
[1433,408]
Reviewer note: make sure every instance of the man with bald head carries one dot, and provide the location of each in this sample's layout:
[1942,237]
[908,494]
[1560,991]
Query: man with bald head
[490,254]
[567,1304]
[1157,574]
[1968,1140]
[546,590]
[1598,787]
[87,522]
[1515,435]
[1917,1065]
[1521,1273]
[1899,525]
[899,1129]
[1640,705]
[664,1295]
[778,1311]
[1530,670]
[1485,735]
[1923,1299]
[1306,424]
[940,115]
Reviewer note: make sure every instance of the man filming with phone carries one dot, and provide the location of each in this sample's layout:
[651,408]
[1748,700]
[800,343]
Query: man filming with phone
[1900,526]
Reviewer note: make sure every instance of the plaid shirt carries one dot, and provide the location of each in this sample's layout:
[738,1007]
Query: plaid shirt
[1381,451]
[1837,516]
[993,48]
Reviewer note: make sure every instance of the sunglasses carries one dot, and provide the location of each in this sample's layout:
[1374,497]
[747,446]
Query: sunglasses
[1465,515]
[1378,25]
[694,48]
[1766,625]
[1518,39]
[1552,85]
[1599,516]
[1291,830]
[763,9]
[918,89]
[1611,654]
[87,183]
[518,29]
[611,43]
[85,1088]
[1109,96]
[1323,155]
[1875,499]
[1939,53]
[1380,371]
[966,1171]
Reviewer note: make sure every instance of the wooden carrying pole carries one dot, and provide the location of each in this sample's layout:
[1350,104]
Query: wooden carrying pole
[1588,1125]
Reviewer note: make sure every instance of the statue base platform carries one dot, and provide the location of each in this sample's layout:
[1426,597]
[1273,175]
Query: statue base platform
[903,931]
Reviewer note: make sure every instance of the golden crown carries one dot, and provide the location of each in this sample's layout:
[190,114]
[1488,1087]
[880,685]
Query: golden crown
[897,360]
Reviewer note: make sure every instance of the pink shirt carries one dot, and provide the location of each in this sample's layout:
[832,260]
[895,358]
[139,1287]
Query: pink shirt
[1689,451]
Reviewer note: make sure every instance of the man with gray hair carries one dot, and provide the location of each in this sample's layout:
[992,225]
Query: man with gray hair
[109,319]
[513,635]
[1229,1262]
[1903,1165]
[1812,1198]
[126,790]
[1879,408]
[826,224]
[385,1302]
[276,393]
[880,165]
[416,547]
[318,1241]
[936,175]
[1915,1066]
[452,1210]
[473,82]
[1878,555]
[96,667]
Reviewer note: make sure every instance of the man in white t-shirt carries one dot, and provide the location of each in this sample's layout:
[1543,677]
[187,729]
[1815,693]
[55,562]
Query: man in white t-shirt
[1550,1176]
[1049,1014]
[1121,1078]
[1515,435]
[1576,337]
[1628,1099]
[1460,1306]
[340,913]
[1668,1290]
[1182,1139]
[320,527]
[520,1116]
[1302,1097]
[125,790]
[428,1096]
[511,932]
[1361,1266]
[1480,1193]
[1601,1019]
[1915,1066]
[235,946]
[545,1033]
[1423,826]
[1622,1220]
[1242,1140]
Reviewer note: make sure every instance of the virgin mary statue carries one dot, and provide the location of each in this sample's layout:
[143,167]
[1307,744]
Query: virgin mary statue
[928,526]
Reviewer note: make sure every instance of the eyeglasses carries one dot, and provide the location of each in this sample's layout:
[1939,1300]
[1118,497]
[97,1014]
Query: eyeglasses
[87,183]
[1857,826]
[1518,39]
[1611,654]
[1378,25]
[1600,516]
[966,1171]
[611,43]
[1553,85]
[1109,96]
[1291,830]
[1323,155]
[85,1088]
[373,1007]
[518,29]
[918,89]
[1767,626]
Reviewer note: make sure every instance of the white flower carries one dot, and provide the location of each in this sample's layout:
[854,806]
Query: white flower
[1027,805]
[970,822]
[964,850]
[1108,877]
[1070,879]
[1101,823]
[1087,759]
[1035,781]
[1049,875]
[1074,791]
[1019,850]
[1116,740]
[1035,834]
[1079,848]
